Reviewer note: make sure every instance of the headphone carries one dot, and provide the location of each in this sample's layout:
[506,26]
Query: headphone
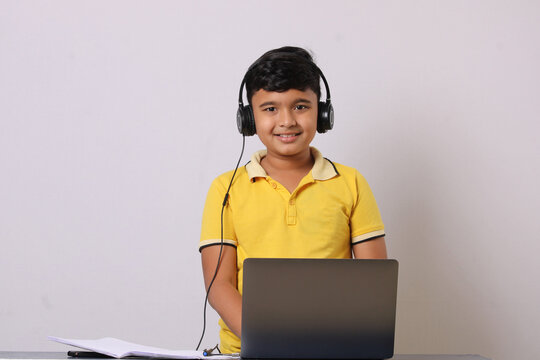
[246,126]
[245,120]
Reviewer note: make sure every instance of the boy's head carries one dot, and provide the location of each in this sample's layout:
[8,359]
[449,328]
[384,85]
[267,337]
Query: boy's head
[283,69]
[278,71]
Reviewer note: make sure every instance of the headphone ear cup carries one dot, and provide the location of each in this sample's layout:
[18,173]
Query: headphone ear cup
[250,121]
[245,120]
[325,117]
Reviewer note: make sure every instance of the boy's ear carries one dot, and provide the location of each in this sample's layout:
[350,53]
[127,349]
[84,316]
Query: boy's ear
[245,121]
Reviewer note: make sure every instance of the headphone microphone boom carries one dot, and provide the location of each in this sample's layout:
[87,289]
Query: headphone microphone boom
[246,121]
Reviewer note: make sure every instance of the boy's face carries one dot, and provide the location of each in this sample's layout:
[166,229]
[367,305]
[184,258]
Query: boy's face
[286,121]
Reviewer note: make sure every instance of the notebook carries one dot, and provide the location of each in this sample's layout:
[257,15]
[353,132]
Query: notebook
[318,308]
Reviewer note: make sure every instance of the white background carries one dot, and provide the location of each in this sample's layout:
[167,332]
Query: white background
[116,116]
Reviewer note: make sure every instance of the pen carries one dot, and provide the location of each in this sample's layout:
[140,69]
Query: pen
[232,355]
[87,354]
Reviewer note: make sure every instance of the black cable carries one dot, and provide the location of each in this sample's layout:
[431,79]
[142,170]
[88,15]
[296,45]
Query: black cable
[221,243]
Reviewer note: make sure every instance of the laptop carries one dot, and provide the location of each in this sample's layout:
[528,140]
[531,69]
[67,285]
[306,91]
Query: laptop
[318,308]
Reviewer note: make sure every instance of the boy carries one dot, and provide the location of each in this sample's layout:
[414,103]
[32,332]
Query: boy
[288,201]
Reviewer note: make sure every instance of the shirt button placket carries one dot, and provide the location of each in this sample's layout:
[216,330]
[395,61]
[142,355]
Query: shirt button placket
[291,212]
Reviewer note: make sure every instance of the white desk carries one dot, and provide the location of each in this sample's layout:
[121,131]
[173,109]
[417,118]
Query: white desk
[36,355]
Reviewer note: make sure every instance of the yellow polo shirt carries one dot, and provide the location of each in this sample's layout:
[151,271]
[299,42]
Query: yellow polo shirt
[331,209]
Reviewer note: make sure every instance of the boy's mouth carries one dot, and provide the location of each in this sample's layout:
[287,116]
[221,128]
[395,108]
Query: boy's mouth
[287,138]
[287,135]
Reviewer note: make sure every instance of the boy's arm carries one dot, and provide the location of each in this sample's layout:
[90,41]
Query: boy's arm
[371,249]
[224,297]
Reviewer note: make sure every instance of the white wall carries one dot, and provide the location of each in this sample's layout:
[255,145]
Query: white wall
[116,115]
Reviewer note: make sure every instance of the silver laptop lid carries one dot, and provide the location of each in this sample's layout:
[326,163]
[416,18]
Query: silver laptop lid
[318,308]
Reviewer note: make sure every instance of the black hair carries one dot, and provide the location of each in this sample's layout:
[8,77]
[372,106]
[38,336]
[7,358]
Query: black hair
[282,69]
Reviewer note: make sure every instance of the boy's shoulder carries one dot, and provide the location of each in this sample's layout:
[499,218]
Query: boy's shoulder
[340,168]
[347,171]
[224,179]
[349,176]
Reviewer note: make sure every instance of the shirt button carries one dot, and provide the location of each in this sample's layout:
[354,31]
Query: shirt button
[274,185]
[291,202]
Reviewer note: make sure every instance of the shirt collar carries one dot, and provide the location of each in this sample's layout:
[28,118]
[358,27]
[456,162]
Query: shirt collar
[323,169]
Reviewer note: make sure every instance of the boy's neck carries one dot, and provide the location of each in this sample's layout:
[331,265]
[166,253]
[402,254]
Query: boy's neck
[302,162]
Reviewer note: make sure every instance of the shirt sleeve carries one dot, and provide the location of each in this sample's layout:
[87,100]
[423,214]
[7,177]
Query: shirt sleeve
[211,219]
[366,223]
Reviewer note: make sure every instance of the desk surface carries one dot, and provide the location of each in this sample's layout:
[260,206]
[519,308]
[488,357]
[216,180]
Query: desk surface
[37,355]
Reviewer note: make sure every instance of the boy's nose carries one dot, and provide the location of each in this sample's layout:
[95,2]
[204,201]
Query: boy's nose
[287,119]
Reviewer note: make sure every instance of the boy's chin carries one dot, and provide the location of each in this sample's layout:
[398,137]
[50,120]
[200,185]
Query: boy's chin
[288,151]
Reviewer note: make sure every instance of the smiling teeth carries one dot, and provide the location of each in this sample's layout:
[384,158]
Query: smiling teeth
[287,136]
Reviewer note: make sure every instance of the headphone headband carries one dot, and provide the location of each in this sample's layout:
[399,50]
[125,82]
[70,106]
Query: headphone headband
[326,87]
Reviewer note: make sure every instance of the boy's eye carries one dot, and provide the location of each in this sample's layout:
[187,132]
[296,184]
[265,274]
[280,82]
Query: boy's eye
[270,108]
[300,107]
